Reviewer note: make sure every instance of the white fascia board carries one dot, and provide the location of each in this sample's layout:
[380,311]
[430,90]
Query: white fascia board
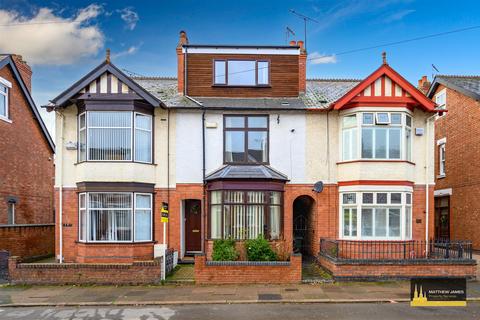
[267,51]
[367,188]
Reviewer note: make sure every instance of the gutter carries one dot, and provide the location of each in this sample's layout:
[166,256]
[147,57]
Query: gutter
[427,185]
[60,194]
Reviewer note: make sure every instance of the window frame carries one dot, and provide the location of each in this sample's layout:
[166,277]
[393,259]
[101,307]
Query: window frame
[226,84]
[405,233]
[245,130]
[11,208]
[133,129]
[442,159]
[355,147]
[8,85]
[133,208]
[441,93]
[266,212]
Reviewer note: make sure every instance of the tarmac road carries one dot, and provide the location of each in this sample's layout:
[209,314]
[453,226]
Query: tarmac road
[370,311]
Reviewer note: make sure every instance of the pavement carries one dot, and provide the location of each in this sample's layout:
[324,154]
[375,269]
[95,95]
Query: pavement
[174,294]
[370,311]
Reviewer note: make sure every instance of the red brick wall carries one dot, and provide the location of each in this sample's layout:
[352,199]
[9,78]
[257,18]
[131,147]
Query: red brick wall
[398,270]
[148,272]
[27,168]
[460,127]
[28,241]
[243,274]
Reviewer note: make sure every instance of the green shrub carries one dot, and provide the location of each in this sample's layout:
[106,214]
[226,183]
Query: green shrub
[259,250]
[224,250]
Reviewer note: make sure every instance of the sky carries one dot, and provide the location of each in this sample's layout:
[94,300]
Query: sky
[64,40]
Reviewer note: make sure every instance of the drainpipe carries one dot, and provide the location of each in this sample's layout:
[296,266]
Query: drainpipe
[60,182]
[427,186]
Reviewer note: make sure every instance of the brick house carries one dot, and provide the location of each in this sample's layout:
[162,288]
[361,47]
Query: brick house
[27,170]
[457,141]
[239,144]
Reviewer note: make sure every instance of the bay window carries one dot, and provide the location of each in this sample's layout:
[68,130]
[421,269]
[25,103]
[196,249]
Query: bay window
[246,139]
[376,215]
[376,135]
[241,215]
[241,72]
[114,136]
[115,217]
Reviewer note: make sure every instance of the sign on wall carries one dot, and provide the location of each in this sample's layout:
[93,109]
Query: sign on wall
[438,292]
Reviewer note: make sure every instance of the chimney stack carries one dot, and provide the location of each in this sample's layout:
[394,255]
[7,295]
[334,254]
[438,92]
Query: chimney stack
[302,68]
[181,62]
[424,84]
[24,69]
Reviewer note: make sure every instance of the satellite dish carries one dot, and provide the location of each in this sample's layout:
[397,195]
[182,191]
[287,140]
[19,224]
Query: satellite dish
[318,186]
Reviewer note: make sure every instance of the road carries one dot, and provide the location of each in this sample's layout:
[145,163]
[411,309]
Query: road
[246,311]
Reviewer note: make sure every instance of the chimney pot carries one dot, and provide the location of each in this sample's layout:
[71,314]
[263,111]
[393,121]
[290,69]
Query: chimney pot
[183,38]
[424,84]
[300,44]
[293,43]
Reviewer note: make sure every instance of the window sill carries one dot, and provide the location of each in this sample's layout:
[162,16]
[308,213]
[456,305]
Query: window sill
[115,161]
[5,119]
[240,86]
[441,176]
[376,160]
[116,243]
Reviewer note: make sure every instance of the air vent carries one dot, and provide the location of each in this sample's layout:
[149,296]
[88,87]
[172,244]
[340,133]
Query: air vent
[285,103]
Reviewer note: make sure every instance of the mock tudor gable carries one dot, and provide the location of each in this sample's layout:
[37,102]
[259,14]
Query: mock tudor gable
[385,87]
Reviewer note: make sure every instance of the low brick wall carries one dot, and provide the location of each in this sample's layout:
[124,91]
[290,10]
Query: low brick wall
[142,272]
[245,272]
[398,269]
[28,241]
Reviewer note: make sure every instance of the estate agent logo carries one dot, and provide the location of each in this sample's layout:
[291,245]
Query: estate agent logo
[438,292]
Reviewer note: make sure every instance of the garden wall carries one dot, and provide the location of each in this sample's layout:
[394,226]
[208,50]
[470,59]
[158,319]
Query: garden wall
[245,272]
[402,269]
[142,272]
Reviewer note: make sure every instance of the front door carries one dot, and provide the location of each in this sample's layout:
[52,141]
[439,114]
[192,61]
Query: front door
[442,218]
[193,225]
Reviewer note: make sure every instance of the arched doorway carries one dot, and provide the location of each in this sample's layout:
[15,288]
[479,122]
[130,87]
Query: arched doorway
[302,225]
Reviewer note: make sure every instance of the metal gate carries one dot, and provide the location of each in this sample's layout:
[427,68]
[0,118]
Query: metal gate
[300,234]
[4,255]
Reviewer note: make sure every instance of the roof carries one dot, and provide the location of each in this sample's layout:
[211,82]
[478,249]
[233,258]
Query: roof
[417,99]
[262,172]
[320,94]
[468,85]
[7,60]
[64,97]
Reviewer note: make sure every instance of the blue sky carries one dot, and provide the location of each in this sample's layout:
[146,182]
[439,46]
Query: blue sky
[143,34]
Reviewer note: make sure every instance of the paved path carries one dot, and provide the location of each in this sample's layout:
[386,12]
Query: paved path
[251,312]
[195,294]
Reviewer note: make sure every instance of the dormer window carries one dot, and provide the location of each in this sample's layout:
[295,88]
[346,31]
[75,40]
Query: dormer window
[241,73]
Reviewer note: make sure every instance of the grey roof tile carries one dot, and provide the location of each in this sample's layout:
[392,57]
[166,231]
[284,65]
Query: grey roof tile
[246,172]
[470,84]
[320,94]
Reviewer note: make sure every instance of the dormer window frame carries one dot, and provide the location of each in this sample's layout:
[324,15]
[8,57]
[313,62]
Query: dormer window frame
[225,83]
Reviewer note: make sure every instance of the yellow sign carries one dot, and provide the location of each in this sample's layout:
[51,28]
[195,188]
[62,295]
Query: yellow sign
[164,212]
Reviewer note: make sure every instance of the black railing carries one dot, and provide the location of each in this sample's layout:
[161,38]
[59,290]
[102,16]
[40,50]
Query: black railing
[354,250]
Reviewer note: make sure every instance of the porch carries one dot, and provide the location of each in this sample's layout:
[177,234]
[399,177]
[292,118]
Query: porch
[373,260]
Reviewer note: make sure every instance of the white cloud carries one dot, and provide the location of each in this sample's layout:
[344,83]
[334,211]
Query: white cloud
[47,38]
[397,16]
[130,17]
[317,58]
[131,50]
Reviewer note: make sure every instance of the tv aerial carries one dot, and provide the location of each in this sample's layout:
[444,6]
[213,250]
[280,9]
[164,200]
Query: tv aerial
[305,20]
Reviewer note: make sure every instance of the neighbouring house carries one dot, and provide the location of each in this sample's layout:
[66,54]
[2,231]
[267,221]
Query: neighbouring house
[239,145]
[27,170]
[457,141]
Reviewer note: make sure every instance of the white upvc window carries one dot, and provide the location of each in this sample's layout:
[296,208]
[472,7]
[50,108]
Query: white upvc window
[5,85]
[115,217]
[441,159]
[377,135]
[11,213]
[441,99]
[115,136]
[376,215]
